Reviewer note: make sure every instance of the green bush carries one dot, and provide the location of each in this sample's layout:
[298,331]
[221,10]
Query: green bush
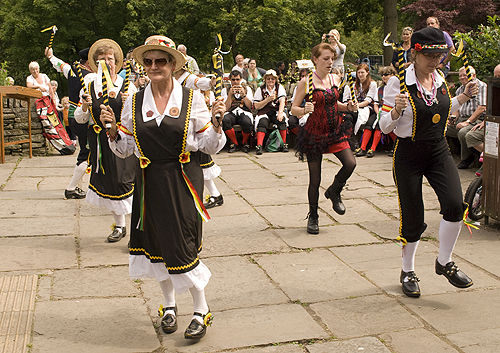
[3,74]
[483,47]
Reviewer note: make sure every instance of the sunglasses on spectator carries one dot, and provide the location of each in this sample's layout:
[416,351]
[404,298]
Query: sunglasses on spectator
[386,74]
[161,62]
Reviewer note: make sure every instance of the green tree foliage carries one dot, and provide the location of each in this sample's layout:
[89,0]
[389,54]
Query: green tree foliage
[483,47]
[268,30]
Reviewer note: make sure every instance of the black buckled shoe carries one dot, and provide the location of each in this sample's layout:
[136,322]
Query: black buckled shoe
[284,148]
[312,223]
[233,148]
[168,321]
[360,152]
[213,201]
[246,148]
[118,233]
[195,330]
[74,194]
[258,150]
[409,280]
[453,274]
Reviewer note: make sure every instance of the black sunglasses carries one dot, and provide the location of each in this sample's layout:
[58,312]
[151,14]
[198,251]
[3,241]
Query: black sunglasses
[158,62]
[386,74]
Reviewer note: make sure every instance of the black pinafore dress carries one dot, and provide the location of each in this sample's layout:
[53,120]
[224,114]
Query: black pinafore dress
[172,228]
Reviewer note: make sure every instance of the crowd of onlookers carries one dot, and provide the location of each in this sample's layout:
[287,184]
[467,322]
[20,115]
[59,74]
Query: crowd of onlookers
[258,101]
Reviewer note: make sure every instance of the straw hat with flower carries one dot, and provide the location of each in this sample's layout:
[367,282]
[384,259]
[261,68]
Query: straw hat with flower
[158,42]
[105,42]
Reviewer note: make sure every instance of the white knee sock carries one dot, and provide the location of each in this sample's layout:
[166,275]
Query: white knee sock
[119,219]
[169,293]
[408,255]
[199,303]
[77,175]
[448,235]
[212,189]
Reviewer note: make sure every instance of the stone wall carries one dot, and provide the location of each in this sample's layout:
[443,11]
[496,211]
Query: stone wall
[15,124]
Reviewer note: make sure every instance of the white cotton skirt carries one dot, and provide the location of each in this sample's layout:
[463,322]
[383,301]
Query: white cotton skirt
[141,267]
[121,207]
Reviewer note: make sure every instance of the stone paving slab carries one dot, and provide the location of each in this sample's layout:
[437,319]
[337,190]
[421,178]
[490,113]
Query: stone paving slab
[279,218]
[363,344]
[283,348]
[45,172]
[239,235]
[383,229]
[88,210]
[482,253]
[37,208]
[235,163]
[88,283]
[362,189]
[380,177]
[311,276]
[262,326]
[300,178]
[254,180]
[361,316]
[417,340]
[236,283]
[233,205]
[337,235]
[450,313]
[276,195]
[94,247]
[94,325]
[388,202]
[357,211]
[32,253]
[477,341]
[14,227]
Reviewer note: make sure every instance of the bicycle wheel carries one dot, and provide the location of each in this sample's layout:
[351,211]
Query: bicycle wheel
[473,199]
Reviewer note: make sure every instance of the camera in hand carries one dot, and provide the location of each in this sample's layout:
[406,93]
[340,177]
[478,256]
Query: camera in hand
[327,36]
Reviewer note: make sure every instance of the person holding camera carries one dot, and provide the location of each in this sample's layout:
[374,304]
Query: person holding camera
[238,101]
[333,37]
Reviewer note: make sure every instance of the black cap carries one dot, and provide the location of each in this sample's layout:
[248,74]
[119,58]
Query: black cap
[429,40]
[84,53]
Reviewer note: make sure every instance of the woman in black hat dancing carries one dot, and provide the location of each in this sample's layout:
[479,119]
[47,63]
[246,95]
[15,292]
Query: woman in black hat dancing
[419,118]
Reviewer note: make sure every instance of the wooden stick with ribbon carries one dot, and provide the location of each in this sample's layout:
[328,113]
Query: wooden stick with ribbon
[107,83]
[310,85]
[350,81]
[128,70]
[218,69]
[401,69]
[54,30]
[80,76]
[462,54]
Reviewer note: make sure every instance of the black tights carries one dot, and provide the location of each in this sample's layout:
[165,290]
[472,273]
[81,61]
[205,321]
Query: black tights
[314,163]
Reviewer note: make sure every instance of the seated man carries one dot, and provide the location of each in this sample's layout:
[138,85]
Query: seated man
[470,114]
[269,100]
[238,106]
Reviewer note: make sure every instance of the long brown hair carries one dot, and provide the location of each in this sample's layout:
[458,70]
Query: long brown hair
[366,85]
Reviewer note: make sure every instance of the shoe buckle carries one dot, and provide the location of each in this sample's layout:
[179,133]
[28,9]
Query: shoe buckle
[208,319]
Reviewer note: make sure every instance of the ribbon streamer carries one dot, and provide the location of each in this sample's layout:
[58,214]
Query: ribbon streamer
[350,80]
[310,86]
[106,81]
[80,76]
[128,70]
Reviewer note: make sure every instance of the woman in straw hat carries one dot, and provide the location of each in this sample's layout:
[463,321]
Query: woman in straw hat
[419,118]
[111,178]
[163,125]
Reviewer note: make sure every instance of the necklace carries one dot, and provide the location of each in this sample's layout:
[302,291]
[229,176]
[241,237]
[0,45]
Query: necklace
[430,98]
[328,90]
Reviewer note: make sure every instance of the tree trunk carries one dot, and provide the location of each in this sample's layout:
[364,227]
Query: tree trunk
[390,25]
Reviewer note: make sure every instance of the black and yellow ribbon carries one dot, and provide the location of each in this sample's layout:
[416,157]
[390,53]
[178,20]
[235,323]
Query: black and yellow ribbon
[128,70]
[54,30]
[350,81]
[310,86]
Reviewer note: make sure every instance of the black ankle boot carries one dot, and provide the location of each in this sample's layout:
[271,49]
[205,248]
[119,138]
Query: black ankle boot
[312,222]
[333,193]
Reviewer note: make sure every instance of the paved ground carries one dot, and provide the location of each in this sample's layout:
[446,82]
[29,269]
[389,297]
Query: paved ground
[274,287]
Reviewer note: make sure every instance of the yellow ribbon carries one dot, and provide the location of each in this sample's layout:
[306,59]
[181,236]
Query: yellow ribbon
[106,74]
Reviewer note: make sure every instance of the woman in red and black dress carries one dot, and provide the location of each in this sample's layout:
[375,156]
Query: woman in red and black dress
[323,132]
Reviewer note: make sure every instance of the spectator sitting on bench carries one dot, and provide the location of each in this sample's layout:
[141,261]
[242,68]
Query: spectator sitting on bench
[470,114]
[238,106]
[269,100]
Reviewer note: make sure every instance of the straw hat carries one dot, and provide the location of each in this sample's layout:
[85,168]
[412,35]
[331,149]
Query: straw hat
[270,72]
[117,51]
[162,43]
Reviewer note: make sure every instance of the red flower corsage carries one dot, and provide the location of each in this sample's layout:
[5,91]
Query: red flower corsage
[96,128]
[144,162]
[418,47]
[184,157]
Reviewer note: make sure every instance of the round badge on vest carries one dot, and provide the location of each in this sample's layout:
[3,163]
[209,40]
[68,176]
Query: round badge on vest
[436,118]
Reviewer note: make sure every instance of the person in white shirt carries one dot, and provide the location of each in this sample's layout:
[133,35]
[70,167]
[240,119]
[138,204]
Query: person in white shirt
[418,118]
